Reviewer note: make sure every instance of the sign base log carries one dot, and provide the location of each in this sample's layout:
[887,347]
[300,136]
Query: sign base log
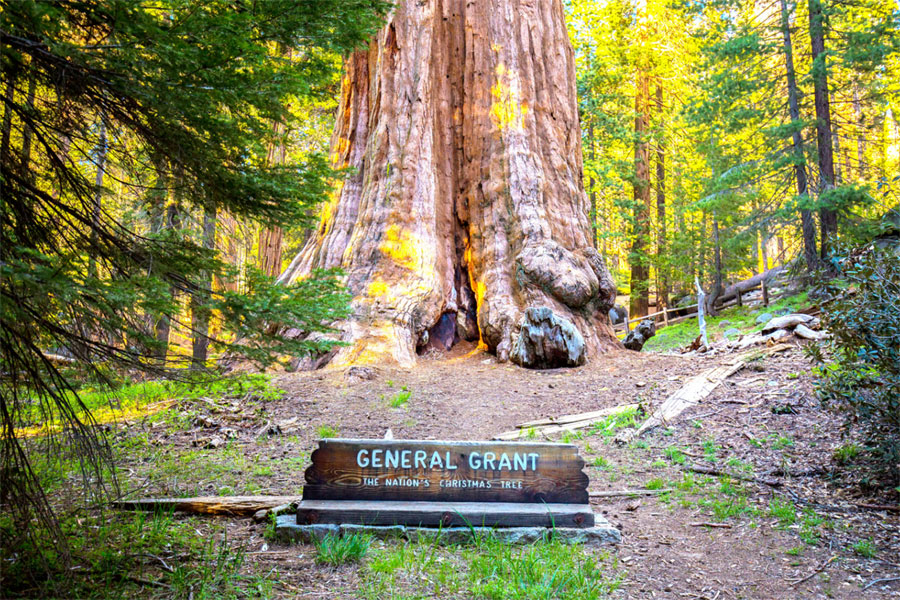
[444,514]
[287,530]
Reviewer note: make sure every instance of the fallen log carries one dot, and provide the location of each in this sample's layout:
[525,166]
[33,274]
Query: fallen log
[789,322]
[884,507]
[748,284]
[564,423]
[806,333]
[585,416]
[234,506]
[694,390]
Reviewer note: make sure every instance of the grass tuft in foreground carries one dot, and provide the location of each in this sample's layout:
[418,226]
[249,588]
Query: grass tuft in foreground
[488,569]
[336,550]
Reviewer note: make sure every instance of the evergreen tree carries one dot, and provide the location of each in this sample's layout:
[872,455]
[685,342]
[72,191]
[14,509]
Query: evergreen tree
[121,122]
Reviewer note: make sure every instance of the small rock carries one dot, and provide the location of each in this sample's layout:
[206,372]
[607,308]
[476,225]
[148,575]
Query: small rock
[205,421]
[732,333]
[360,374]
[776,335]
[638,336]
[724,324]
[287,425]
[214,443]
[640,384]
[633,505]
[763,318]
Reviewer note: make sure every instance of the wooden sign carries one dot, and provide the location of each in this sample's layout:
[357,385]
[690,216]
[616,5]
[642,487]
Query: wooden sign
[443,483]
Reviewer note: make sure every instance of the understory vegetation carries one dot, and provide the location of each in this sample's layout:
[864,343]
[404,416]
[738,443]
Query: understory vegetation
[859,369]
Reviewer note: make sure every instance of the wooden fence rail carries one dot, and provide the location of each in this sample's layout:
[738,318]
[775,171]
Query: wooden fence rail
[667,320]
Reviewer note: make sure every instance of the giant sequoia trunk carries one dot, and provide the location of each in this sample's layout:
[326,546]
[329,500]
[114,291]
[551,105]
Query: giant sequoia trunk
[466,205]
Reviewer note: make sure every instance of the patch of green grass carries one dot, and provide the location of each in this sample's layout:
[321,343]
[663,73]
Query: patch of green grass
[710,451]
[726,507]
[795,551]
[600,462]
[845,453]
[112,553]
[487,569]
[335,549]
[810,525]
[326,431]
[659,464]
[675,455]
[780,442]
[608,426]
[655,484]
[151,398]
[400,398]
[865,548]
[740,465]
[783,510]
[548,569]
[688,482]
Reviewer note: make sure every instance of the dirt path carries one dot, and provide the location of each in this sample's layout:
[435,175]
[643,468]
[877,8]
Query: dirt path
[710,538]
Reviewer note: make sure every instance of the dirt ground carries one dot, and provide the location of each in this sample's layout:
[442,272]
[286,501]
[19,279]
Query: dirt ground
[708,539]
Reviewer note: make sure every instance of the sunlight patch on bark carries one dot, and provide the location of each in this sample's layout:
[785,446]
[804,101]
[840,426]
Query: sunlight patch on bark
[508,111]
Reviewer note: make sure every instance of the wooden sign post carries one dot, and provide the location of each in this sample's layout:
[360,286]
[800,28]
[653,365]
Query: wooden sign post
[436,483]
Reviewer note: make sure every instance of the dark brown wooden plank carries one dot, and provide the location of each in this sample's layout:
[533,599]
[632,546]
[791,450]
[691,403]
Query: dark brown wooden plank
[446,471]
[445,514]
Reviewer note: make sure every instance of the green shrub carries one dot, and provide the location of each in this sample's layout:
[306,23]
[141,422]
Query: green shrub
[858,369]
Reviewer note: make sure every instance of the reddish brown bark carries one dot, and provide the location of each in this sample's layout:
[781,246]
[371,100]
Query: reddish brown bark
[827,215]
[466,204]
[640,265]
[271,239]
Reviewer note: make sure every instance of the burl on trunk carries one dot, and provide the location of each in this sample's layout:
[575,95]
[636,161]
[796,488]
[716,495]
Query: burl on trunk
[465,206]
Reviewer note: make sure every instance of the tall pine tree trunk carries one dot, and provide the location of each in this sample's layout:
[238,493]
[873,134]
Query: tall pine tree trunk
[718,276]
[100,160]
[640,268]
[807,223]
[593,192]
[200,311]
[662,292]
[466,205]
[827,216]
[860,134]
[271,239]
